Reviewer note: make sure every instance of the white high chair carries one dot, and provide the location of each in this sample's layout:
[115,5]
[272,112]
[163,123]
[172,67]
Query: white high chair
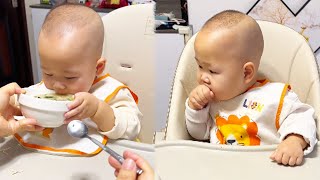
[129,49]
[129,46]
[287,58]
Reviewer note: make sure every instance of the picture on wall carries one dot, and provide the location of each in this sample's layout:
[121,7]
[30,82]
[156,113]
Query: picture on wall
[301,15]
[295,6]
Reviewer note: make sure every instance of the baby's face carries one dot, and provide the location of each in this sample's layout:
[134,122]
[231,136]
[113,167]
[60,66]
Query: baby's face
[66,67]
[219,67]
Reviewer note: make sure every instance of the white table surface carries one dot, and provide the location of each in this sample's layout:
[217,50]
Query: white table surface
[201,161]
[18,163]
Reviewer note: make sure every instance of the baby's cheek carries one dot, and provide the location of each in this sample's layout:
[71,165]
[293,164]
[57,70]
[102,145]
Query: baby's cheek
[47,84]
[218,91]
[83,86]
[199,80]
[75,88]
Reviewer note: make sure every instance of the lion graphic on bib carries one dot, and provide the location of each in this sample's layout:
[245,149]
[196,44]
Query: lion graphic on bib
[237,131]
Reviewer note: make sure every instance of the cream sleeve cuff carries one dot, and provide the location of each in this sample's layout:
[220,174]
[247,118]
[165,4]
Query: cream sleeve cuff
[127,117]
[196,116]
[123,128]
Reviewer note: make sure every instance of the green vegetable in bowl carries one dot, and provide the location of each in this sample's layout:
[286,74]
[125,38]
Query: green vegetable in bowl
[56,97]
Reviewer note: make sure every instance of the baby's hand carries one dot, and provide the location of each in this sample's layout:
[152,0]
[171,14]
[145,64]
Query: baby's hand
[290,150]
[200,97]
[83,106]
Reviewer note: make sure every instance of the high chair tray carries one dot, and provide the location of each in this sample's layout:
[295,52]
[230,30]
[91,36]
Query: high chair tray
[197,160]
[18,163]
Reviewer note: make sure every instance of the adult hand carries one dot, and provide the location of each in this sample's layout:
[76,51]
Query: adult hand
[8,125]
[127,171]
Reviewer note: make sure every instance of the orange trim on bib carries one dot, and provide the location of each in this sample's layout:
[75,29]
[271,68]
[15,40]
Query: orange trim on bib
[107,99]
[46,132]
[70,151]
[100,78]
[284,92]
[262,83]
[135,97]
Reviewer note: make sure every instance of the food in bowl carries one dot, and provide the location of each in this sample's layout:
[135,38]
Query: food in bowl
[56,97]
[47,108]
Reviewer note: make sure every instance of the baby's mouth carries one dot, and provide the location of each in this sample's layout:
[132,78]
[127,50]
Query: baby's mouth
[208,85]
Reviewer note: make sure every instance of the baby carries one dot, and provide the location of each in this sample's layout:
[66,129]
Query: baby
[231,106]
[70,47]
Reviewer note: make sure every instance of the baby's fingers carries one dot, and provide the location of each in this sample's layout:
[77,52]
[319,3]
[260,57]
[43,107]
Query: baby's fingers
[75,103]
[273,155]
[209,96]
[72,113]
[292,161]
[79,112]
[201,98]
[299,160]
[195,104]
[276,156]
[285,159]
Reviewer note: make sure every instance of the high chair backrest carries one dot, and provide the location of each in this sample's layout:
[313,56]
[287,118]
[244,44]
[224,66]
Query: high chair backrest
[129,50]
[286,58]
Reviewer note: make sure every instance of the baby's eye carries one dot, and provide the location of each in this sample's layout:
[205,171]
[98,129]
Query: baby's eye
[69,78]
[48,74]
[213,72]
[200,67]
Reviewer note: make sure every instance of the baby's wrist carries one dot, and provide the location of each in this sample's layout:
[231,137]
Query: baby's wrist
[192,107]
[104,117]
[190,104]
[299,138]
[96,111]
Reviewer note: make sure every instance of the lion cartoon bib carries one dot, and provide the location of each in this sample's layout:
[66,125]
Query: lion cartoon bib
[251,118]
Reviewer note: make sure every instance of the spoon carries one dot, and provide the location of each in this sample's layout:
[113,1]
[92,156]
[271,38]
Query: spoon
[78,129]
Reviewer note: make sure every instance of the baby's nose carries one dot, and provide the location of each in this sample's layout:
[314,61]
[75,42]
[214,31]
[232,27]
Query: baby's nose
[58,86]
[205,79]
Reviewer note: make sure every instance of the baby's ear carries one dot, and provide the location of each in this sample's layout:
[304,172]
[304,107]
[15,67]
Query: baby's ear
[249,71]
[101,64]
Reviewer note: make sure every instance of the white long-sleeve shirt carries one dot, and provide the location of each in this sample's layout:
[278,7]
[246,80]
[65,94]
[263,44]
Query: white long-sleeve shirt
[262,115]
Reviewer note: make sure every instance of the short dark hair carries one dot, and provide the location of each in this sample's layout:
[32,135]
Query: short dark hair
[224,19]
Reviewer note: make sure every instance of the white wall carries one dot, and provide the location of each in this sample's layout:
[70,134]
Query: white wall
[31,38]
[318,57]
[168,50]
[201,10]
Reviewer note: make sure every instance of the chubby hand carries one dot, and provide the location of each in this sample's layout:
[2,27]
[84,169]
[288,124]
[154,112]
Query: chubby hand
[200,97]
[83,106]
[290,150]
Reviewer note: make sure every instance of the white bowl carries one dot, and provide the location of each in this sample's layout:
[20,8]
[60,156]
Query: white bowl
[48,113]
